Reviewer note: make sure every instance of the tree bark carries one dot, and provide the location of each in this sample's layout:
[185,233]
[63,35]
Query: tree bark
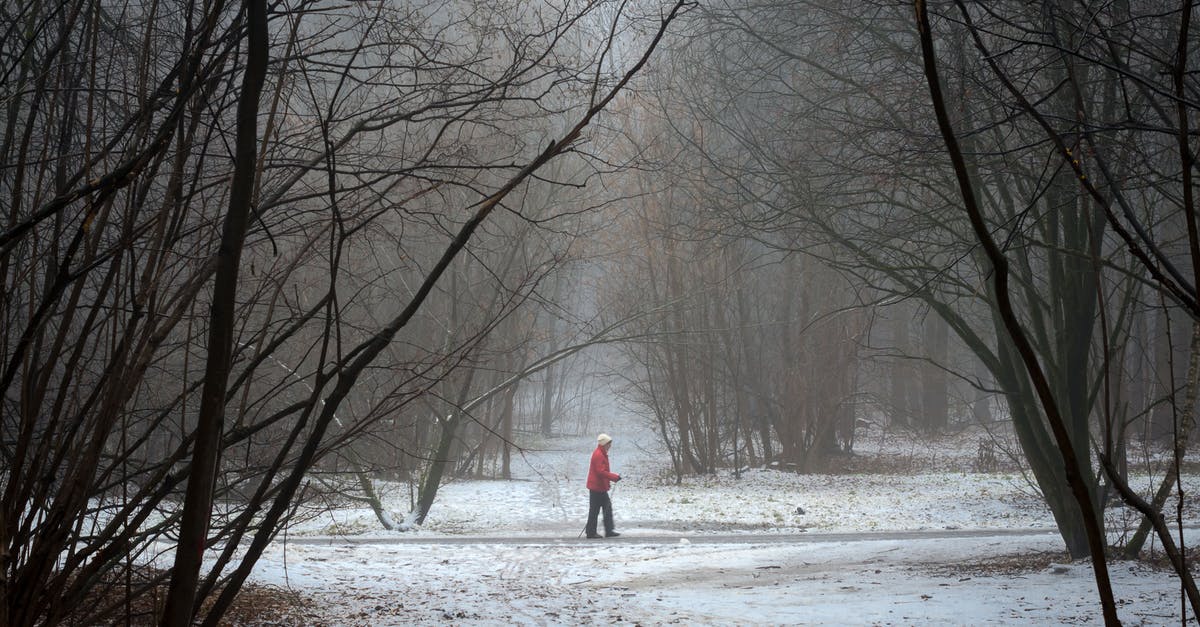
[935,394]
[901,382]
[197,507]
[1070,460]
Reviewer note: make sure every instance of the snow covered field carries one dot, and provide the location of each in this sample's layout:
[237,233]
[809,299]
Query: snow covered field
[945,546]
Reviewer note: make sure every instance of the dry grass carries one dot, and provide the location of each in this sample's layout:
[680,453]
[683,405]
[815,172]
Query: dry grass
[254,606]
[1018,564]
[1004,565]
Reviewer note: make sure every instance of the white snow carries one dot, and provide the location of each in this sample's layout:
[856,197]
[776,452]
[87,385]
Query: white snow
[716,550]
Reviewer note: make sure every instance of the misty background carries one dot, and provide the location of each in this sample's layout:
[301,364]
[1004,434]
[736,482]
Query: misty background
[254,255]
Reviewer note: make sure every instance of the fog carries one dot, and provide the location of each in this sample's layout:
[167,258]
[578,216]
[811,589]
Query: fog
[259,256]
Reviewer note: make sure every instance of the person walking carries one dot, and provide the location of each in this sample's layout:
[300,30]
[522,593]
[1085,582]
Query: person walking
[598,480]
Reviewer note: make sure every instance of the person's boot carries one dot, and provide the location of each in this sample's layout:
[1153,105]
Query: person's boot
[610,534]
[592,535]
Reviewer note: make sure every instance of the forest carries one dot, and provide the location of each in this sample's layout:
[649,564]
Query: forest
[254,255]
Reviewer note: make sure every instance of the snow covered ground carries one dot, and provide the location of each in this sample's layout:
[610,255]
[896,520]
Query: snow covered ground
[945,546]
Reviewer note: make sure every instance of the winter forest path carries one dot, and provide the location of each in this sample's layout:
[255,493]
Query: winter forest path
[671,539]
[887,577]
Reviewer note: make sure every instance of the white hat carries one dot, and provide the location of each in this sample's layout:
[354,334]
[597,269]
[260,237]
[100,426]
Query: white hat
[603,439]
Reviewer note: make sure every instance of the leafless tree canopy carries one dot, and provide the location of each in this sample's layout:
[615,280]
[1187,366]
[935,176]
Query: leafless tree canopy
[258,255]
[362,146]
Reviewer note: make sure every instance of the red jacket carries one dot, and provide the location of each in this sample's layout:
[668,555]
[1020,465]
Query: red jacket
[598,473]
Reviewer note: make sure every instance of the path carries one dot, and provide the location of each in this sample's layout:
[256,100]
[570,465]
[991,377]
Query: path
[673,538]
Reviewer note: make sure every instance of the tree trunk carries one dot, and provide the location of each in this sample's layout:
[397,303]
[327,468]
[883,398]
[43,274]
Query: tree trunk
[1181,436]
[1166,379]
[981,405]
[935,394]
[758,406]
[506,432]
[900,368]
[677,363]
[1073,465]
[367,485]
[551,382]
[197,506]
[432,479]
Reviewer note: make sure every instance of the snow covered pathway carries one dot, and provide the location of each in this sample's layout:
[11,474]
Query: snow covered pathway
[821,581]
[942,546]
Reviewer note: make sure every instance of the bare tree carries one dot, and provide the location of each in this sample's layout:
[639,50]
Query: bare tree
[389,134]
[809,133]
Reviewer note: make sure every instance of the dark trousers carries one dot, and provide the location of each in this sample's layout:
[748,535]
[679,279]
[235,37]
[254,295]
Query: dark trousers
[596,502]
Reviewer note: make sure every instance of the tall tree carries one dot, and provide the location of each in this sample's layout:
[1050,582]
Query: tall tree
[198,499]
[390,132]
